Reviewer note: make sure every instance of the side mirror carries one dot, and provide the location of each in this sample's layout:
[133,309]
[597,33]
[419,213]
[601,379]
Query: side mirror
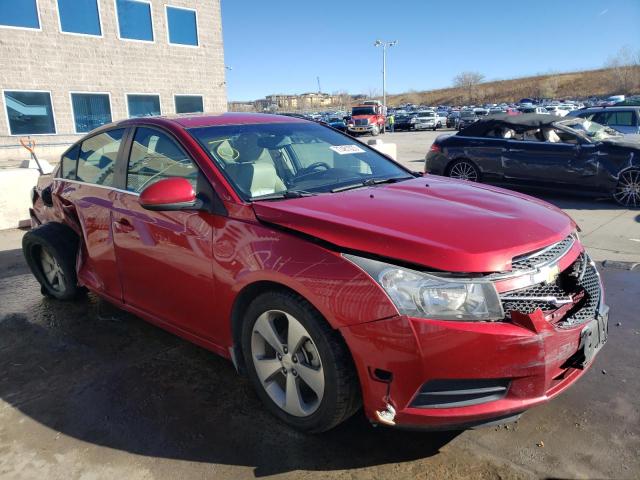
[170,194]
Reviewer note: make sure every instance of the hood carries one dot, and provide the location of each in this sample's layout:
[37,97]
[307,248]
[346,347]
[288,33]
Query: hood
[628,141]
[435,222]
[371,116]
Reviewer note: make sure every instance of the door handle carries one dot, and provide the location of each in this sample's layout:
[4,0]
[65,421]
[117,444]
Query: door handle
[123,225]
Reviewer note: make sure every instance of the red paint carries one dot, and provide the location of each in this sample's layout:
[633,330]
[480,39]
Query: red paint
[183,270]
[168,191]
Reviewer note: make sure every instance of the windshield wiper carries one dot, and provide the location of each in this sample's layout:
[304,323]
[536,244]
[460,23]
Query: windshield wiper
[369,182]
[283,195]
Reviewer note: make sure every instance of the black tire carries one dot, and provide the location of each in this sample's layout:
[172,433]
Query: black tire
[341,397]
[466,165]
[61,244]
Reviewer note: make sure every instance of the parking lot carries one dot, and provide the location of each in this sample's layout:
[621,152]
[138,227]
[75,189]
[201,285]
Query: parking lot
[88,391]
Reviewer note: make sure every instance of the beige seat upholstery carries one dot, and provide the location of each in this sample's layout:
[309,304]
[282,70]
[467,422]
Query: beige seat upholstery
[508,133]
[255,179]
[551,136]
[254,171]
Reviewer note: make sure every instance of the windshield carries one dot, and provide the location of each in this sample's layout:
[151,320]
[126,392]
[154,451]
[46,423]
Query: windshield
[481,112]
[593,130]
[468,115]
[426,114]
[363,111]
[292,158]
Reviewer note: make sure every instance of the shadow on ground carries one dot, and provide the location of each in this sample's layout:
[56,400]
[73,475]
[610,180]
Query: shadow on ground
[95,373]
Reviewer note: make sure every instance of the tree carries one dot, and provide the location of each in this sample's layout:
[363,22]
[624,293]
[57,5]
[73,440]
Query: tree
[468,81]
[625,70]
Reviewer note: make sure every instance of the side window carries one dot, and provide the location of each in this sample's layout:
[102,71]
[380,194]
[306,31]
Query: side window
[599,118]
[155,156]
[70,164]
[623,118]
[97,158]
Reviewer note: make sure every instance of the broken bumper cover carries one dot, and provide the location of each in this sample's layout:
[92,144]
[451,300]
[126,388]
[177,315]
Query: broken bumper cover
[448,375]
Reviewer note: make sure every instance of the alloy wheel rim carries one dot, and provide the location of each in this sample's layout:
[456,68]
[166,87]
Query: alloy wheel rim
[464,171]
[287,363]
[628,189]
[52,270]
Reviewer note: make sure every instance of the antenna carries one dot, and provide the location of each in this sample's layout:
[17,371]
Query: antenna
[319,89]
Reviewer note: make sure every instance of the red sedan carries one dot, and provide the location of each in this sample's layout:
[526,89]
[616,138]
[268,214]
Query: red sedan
[329,274]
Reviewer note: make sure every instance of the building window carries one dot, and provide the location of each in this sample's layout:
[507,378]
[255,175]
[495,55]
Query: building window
[90,110]
[29,113]
[134,20]
[182,26]
[79,16]
[19,14]
[143,105]
[189,104]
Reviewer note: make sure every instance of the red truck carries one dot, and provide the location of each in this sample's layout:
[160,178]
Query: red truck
[368,117]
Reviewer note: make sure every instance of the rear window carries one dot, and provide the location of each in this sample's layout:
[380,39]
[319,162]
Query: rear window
[97,159]
[70,163]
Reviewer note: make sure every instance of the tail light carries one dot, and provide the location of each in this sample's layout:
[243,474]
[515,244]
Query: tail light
[435,148]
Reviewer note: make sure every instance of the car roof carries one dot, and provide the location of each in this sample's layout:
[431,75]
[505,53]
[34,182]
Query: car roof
[517,122]
[194,120]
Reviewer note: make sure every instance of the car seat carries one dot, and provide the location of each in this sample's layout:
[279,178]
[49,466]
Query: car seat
[551,136]
[253,170]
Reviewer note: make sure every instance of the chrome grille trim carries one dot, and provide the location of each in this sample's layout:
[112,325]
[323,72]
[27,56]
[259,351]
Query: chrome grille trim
[543,257]
[550,296]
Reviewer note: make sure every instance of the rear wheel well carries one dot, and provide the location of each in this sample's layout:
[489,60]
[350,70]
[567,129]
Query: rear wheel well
[240,306]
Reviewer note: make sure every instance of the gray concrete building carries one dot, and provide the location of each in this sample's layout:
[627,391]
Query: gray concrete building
[68,66]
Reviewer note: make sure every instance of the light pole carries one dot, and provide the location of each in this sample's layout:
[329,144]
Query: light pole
[384,45]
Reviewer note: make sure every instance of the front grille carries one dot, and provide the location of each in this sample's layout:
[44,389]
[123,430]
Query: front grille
[549,254]
[361,122]
[460,393]
[578,285]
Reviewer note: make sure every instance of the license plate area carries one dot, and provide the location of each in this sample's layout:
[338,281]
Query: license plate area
[593,336]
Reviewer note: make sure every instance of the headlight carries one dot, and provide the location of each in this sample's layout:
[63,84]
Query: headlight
[424,295]
[413,120]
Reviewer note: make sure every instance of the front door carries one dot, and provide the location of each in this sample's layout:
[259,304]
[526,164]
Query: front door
[543,157]
[164,258]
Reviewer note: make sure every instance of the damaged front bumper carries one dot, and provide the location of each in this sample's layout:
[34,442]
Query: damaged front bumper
[436,374]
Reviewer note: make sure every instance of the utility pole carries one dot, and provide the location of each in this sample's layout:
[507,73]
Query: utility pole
[384,45]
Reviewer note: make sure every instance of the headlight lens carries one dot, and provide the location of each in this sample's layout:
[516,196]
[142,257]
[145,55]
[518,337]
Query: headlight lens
[425,295]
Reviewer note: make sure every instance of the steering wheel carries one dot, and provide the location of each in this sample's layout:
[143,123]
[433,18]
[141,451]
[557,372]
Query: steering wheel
[312,168]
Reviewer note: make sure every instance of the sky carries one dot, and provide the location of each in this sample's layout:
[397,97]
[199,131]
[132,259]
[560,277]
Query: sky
[282,46]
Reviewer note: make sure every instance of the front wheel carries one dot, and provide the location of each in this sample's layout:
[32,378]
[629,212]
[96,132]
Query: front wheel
[464,170]
[627,192]
[300,367]
[375,131]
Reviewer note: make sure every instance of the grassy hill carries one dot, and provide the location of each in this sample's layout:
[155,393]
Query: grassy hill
[589,83]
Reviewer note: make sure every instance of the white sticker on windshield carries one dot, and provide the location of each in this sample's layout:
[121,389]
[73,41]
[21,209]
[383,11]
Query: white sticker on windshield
[346,149]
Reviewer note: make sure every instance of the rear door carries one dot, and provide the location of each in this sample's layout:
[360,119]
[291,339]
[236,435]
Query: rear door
[164,258]
[87,194]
